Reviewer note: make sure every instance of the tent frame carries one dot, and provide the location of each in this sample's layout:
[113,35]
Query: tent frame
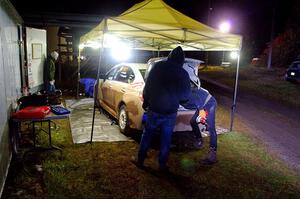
[179,42]
[233,107]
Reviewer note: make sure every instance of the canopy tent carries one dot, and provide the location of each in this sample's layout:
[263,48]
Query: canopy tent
[155,26]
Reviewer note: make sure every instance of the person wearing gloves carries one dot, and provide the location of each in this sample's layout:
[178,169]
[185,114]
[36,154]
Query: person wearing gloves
[49,72]
[201,99]
[166,87]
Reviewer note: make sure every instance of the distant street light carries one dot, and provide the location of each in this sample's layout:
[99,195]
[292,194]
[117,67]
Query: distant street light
[225,27]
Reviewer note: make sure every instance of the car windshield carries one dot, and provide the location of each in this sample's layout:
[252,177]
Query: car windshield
[143,72]
[295,65]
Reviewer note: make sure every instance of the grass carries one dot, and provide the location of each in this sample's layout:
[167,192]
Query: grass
[104,170]
[259,81]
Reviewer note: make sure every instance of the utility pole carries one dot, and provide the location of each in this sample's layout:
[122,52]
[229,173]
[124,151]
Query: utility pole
[208,23]
[271,40]
[209,12]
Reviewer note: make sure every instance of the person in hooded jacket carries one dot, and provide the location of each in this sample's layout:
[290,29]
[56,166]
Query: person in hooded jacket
[166,87]
[49,72]
[201,99]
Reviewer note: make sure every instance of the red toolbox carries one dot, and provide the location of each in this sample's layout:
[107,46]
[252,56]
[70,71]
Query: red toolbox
[33,112]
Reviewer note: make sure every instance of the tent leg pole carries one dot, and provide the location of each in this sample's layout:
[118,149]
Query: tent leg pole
[96,93]
[96,88]
[233,107]
[78,74]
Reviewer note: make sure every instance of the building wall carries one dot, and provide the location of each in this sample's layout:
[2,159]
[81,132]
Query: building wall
[52,38]
[10,81]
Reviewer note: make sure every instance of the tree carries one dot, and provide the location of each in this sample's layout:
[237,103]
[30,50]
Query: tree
[286,46]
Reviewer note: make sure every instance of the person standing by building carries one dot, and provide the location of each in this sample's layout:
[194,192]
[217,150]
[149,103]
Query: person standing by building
[49,72]
[166,87]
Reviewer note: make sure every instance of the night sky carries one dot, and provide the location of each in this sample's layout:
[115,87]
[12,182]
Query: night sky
[250,18]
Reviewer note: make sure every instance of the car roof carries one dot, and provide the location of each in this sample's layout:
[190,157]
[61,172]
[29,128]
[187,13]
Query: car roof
[155,59]
[135,65]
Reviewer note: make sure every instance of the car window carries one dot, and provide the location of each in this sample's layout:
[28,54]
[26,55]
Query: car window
[110,75]
[143,72]
[124,74]
[296,65]
[131,75]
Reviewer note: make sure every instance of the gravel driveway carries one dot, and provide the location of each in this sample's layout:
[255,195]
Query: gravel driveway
[275,125]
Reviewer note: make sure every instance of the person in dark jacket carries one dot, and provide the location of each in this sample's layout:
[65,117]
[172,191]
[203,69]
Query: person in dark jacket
[49,72]
[201,99]
[166,87]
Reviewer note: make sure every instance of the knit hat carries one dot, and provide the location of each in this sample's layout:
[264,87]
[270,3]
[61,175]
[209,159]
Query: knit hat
[54,55]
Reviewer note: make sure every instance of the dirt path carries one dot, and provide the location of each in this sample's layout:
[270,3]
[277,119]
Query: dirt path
[275,125]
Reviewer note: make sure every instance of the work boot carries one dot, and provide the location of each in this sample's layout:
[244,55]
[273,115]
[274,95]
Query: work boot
[211,157]
[138,163]
[198,143]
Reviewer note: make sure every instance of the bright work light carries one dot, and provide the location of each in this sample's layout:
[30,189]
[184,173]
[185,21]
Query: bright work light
[234,55]
[120,53]
[119,49]
[81,46]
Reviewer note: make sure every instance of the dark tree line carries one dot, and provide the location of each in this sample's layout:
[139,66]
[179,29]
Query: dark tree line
[286,45]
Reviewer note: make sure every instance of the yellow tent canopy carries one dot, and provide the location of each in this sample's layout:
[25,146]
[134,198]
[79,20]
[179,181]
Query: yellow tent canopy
[154,25]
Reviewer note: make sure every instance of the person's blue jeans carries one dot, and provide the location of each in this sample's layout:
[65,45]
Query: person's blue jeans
[50,88]
[210,107]
[166,125]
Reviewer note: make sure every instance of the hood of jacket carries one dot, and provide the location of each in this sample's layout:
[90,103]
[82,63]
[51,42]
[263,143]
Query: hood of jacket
[176,56]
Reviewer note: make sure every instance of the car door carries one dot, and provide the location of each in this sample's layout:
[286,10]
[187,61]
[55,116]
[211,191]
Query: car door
[120,85]
[106,86]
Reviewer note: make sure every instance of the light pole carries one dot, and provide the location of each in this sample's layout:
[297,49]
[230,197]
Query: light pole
[209,12]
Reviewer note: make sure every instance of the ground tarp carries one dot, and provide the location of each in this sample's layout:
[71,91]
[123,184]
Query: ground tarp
[81,123]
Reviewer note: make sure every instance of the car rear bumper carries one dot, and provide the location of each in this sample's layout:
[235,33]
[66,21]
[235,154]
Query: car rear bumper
[183,120]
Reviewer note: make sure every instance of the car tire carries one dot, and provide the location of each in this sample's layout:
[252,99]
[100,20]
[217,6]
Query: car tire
[123,120]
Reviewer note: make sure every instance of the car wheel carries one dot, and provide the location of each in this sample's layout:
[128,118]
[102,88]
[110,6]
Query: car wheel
[123,120]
